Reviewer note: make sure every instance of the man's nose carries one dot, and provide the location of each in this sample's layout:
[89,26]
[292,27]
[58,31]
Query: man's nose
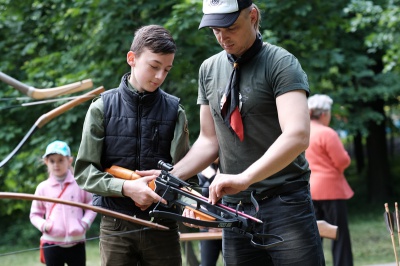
[224,36]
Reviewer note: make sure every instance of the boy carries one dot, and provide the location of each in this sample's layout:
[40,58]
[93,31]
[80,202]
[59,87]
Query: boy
[134,126]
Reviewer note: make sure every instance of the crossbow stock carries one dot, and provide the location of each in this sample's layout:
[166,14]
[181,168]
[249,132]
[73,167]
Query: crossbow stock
[176,192]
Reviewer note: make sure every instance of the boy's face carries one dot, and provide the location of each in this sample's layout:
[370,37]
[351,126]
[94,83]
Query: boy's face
[149,70]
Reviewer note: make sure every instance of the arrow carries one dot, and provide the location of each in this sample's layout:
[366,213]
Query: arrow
[390,226]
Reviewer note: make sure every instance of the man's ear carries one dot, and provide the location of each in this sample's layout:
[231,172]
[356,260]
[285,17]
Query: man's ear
[130,58]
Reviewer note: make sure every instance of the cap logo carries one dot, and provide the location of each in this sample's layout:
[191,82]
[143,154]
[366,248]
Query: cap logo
[220,6]
[57,147]
[214,2]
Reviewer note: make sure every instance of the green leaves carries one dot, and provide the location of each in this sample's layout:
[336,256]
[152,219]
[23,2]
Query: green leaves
[349,50]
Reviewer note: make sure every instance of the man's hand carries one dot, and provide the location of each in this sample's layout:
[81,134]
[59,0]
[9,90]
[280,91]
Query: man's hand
[224,184]
[139,191]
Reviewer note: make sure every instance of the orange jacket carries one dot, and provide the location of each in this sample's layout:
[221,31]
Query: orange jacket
[328,159]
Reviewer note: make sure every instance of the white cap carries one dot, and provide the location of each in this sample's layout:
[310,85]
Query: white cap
[222,13]
[320,101]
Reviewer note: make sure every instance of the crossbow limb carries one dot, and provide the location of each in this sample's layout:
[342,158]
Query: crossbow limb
[49,92]
[25,196]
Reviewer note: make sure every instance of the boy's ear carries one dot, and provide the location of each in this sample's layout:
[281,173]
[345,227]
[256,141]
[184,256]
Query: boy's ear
[130,58]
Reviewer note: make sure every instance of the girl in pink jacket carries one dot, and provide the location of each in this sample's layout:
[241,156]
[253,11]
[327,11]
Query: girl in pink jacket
[63,226]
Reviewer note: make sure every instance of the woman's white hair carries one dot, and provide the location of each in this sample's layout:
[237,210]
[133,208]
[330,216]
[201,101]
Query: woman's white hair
[320,101]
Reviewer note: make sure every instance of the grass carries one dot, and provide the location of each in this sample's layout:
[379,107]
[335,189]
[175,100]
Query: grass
[31,258]
[370,239]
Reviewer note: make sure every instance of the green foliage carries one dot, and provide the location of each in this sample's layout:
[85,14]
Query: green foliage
[348,48]
[193,47]
[385,20]
[19,232]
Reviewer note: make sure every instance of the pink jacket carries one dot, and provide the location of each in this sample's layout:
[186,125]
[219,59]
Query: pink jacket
[328,159]
[68,223]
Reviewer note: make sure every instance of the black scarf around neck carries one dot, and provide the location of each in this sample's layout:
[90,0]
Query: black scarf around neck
[230,100]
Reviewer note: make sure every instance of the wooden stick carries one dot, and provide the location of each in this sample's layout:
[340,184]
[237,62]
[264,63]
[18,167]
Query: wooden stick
[397,220]
[201,236]
[25,196]
[391,232]
[325,229]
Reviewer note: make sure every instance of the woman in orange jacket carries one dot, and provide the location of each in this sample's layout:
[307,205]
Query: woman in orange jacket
[329,188]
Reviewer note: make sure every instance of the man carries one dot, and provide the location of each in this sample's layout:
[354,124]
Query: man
[264,89]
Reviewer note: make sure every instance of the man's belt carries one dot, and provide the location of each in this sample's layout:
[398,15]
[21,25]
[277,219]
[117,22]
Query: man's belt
[282,189]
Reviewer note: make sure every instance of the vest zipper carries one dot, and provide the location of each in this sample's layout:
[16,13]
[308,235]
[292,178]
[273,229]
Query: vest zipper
[139,121]
[155,139]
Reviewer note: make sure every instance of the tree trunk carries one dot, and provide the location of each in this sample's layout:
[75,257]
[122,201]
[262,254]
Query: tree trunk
[378,174]
[359,152]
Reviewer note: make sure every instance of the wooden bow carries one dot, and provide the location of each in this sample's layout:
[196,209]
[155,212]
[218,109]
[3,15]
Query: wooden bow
[25,196]
[46,93]
[45,118]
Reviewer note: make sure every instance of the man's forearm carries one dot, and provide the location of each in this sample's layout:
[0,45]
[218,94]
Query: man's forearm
[202,154]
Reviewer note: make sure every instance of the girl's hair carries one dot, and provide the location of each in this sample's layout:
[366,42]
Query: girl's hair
[155,38]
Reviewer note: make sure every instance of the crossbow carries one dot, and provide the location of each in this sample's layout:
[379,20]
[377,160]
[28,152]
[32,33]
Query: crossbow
[175,191]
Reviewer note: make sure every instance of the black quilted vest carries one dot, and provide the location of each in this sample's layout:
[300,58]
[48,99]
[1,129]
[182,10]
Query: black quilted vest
[139,129]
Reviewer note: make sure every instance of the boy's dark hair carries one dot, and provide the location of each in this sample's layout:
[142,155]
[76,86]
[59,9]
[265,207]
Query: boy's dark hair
[155,38]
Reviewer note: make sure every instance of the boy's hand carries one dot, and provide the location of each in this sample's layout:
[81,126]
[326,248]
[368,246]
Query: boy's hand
[148,172]
[140,193]
[190,214]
